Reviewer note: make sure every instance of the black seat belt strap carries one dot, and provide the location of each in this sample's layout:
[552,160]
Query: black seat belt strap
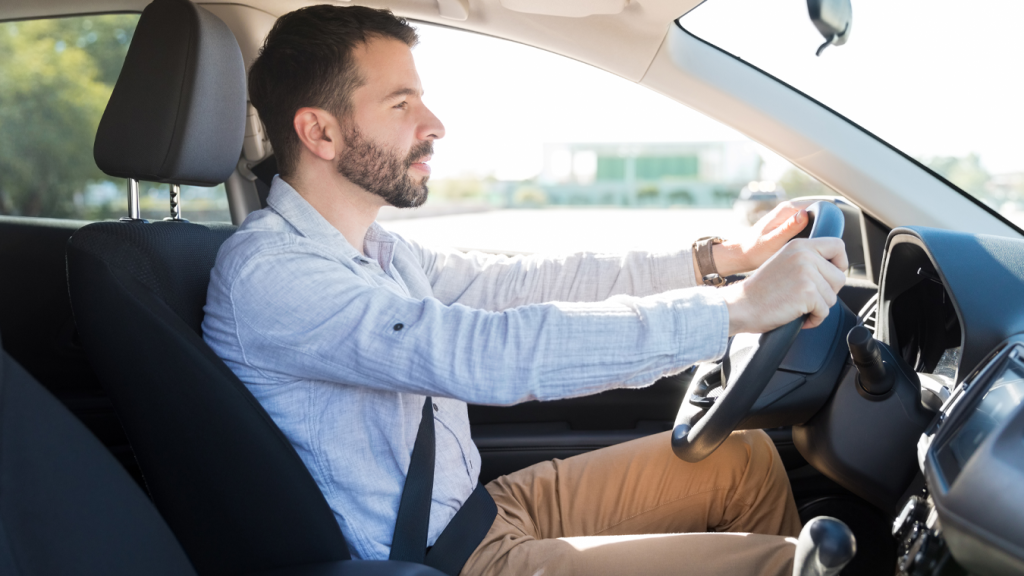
[410,540]
[466,529]
[464,533]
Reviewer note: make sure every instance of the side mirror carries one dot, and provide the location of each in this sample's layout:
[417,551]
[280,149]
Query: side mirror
[833,18]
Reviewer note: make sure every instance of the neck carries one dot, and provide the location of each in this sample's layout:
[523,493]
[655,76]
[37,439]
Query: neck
[347,207]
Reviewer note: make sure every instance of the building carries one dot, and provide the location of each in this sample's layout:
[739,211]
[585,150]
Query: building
[642,174]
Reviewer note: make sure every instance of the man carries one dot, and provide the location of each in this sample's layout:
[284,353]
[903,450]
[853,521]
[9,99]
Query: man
[340,329]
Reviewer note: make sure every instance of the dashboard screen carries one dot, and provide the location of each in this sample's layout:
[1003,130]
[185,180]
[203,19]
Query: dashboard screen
[1002,397]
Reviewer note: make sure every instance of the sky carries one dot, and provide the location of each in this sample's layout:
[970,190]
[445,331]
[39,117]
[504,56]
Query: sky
[932,77]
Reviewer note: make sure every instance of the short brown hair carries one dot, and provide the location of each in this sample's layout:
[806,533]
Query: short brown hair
[306,60]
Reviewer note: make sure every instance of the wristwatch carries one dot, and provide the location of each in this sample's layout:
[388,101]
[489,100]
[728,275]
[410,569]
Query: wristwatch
[707,271]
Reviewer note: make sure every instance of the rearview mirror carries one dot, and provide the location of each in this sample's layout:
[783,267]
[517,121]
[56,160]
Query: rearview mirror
[833,18]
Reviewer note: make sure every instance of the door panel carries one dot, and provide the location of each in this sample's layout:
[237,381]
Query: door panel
[514,437]
[39,330]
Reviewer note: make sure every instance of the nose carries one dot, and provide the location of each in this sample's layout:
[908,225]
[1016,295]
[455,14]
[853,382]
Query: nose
[430,127]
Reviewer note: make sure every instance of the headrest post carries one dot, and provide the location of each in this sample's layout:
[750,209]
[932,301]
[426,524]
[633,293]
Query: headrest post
[134,214]
[175,203]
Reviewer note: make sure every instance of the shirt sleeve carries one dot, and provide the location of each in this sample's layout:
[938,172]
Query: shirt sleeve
[296,315]
[496,282]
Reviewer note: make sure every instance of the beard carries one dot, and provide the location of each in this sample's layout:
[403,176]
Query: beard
[383,171]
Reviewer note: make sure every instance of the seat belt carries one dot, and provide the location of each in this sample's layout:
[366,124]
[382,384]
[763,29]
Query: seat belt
[410,540]
[466,529]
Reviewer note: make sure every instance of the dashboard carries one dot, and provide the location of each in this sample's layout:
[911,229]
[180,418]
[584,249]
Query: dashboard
[923,418]
[972,456]
[951,307]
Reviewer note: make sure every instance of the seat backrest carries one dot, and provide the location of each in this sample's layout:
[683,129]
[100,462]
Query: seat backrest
[66,505]
[225,478]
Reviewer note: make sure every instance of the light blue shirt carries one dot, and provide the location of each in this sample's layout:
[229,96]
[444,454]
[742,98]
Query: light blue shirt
[341,348]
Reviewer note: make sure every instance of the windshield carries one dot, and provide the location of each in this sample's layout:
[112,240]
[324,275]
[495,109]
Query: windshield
[939,80]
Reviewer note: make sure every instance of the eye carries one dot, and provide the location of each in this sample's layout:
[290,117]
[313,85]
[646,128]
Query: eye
[402,105]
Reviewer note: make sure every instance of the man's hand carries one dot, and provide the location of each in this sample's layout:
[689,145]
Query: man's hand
[764,239]
[802,278]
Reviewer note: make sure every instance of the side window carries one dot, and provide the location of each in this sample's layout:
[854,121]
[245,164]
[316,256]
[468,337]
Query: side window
[543,153]
[56,76]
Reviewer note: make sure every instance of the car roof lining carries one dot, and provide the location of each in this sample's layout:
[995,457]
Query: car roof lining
[624,44]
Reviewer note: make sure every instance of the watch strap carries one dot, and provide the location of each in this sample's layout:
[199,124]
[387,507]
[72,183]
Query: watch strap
[708,272]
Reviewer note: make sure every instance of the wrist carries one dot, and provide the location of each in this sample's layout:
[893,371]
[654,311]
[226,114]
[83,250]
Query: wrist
[734,303]
[729,258]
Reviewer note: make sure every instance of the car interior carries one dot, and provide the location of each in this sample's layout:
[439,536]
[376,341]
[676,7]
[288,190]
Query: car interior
[900,415]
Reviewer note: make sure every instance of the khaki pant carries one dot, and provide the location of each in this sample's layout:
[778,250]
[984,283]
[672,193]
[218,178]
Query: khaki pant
[635,508]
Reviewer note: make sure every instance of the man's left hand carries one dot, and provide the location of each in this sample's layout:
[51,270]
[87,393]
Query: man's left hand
[764,239]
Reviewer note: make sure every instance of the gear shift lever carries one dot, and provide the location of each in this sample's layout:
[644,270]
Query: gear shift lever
[826,545]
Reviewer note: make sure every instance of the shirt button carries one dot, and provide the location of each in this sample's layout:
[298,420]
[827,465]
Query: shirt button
[436,408]
[398,326]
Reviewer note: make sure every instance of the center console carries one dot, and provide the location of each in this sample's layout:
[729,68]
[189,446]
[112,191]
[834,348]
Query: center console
[969,517]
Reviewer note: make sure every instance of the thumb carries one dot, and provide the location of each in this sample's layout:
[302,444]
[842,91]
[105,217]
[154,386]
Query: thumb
[787,230]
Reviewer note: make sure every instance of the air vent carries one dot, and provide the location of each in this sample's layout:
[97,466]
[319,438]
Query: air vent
[869,314]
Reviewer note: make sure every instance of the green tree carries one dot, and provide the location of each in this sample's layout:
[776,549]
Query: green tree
[105,38]
[55,79]
[966,172]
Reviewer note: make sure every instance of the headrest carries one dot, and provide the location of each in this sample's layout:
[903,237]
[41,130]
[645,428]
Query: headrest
[177,113]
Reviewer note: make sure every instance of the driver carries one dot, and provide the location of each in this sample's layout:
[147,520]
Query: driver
[341,329]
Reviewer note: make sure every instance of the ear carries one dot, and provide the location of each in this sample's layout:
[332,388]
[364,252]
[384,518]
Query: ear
[318,131]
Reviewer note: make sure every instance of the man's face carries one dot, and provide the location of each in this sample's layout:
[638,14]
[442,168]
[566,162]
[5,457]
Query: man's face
[389,132]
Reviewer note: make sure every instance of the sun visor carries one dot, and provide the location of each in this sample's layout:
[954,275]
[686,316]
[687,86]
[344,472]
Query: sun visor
[178,111]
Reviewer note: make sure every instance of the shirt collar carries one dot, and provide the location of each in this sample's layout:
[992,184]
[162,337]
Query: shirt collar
[286,201]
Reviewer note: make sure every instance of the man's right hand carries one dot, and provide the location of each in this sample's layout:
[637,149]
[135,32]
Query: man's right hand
[801,279]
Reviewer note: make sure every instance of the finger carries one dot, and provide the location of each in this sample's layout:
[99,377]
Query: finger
[792,206]
[780,214]
[842,260]
[825,290]
[801,204]
[782,211]
[787,230]
[835,277]
[774,218]
[833,250]
[818,313]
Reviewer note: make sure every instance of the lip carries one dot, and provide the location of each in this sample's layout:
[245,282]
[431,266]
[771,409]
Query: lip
[422,165]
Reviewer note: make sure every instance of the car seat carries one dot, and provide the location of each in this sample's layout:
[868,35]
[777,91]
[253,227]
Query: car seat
[227,481]
[66,505]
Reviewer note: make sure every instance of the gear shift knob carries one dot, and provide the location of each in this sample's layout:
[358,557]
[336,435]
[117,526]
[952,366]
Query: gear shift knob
[826,545]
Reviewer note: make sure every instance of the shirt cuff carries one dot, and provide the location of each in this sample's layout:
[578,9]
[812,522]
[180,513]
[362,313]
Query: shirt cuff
[705,325]
[675,270]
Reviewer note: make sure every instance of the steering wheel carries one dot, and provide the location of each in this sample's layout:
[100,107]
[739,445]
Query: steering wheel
[720,397]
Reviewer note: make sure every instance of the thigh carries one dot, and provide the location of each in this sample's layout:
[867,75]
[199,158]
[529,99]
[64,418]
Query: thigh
[727,554]
[641,487]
